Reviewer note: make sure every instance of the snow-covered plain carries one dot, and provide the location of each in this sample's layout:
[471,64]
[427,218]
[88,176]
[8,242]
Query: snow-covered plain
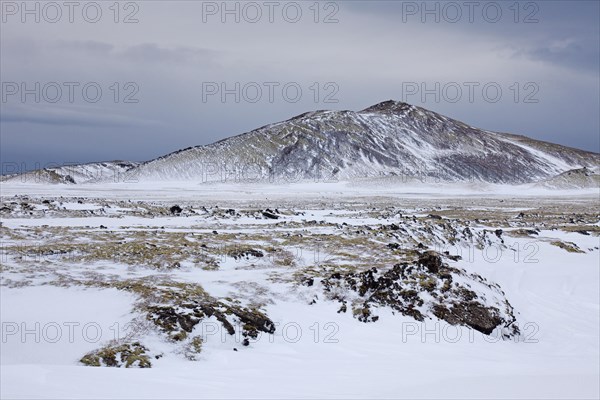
[551,278]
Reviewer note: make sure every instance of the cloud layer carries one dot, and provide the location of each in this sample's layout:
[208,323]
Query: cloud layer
[181,76]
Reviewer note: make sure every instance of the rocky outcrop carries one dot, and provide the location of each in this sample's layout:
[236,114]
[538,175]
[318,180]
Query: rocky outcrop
[128,355]
[177,321]
[424,289]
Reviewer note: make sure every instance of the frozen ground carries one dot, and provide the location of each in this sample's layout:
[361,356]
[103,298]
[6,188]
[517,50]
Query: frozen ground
[87,267]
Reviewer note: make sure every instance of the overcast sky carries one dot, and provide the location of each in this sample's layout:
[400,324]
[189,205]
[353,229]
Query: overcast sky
[530,68]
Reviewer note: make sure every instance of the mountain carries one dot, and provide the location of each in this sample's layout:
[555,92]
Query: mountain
[387,139]
[81,173]
[573,179]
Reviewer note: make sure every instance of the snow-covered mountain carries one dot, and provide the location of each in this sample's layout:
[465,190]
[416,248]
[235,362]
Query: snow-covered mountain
[573,179]
[82,173]
[387,139]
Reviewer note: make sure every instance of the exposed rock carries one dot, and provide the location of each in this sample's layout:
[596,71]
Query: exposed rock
[269,214]
[432,261]
[452,257]
[477,304]
[178,321]
[471,313]
[175,210]
[127,355]
[245,253]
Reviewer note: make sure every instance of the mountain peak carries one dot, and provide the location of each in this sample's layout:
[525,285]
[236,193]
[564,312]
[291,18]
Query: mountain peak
[389,106]
[391,138]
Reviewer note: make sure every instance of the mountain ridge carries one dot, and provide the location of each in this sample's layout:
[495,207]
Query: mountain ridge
[390,138]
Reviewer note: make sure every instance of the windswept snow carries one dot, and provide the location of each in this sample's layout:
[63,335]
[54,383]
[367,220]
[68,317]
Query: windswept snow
[98,256]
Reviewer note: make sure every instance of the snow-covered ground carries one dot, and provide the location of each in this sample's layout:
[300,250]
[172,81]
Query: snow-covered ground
[191,190]
[58,302]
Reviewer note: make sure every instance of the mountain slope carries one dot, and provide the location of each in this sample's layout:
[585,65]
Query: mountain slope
[573,179]
[390,138]
[82,173]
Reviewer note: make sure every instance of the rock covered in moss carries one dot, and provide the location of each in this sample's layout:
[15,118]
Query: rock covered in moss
[128,355]
[180,319]
[425,289]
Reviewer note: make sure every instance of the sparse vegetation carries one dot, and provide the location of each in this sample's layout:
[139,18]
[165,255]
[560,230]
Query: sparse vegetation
[568,246]
[396,260]
[128,355]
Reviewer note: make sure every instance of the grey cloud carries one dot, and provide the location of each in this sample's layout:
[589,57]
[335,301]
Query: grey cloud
[70,116]
[151,52]
[27,49]
[573,22]
[90,46]
[369,54]
[572,54]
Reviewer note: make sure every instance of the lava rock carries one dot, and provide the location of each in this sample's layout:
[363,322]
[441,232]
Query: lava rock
[473,314]
[269,214]
[432,261]
[245,253]
[175,210]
